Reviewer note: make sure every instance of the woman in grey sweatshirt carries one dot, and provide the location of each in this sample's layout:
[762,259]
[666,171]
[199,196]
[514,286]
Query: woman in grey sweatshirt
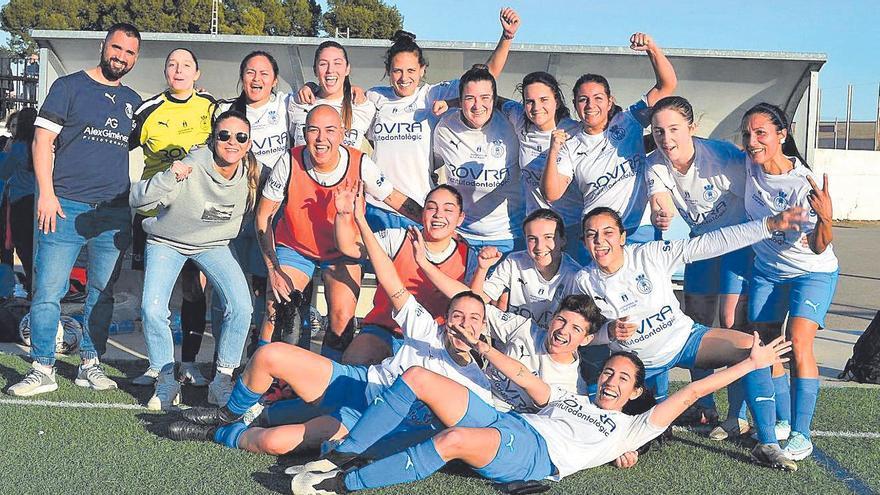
[202,201]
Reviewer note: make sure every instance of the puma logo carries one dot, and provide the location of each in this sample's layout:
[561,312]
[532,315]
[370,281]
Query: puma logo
[409,463]
[812,305]
[110,97]
[378,399]
[510,443]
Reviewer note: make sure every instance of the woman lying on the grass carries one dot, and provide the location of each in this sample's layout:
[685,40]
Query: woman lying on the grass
[567,435]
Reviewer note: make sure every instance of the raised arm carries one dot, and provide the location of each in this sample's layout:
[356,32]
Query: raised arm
[820,202]
[386,274]
[761,357]
[518,373]
[348,242]
[509,25]
[663,70]
[446,284]
[731,238]
[553,183]
[488,257]
[405,205]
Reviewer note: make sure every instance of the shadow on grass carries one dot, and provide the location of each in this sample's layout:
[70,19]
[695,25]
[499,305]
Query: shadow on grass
[742,442]
[275,482]
[11,376]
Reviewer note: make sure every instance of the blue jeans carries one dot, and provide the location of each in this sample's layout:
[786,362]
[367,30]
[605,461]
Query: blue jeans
[105,228]
[162,266]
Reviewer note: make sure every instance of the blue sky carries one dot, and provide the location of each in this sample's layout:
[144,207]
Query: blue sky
[842,29]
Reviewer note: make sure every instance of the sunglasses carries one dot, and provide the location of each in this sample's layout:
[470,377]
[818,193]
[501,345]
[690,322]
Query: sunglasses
[224,135]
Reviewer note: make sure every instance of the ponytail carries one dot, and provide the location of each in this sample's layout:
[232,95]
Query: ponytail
[253,168]
[346,103]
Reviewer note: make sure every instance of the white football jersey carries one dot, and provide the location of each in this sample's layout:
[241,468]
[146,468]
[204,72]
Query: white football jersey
[375,184]
[609,168]
[523,340]
[533,147]
[710,194]
[641,290]
[531,295]
[483,164]
[361,117]
[785,254]
[423,345]
[580,435]
[401,135]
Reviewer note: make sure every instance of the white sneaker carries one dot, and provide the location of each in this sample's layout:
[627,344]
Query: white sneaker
[798,448]
[166,394]
[94,378]
[220,389]
[782,429]
[34,382]
[147,379]
[189,373]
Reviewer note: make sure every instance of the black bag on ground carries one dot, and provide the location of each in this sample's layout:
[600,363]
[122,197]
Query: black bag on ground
[864,365]
[12,311]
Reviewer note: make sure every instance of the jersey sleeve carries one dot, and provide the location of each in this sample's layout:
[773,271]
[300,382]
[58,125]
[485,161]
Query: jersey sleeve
[443,91]
[375,182]
[502,325]
[640,432]
[564,162]
[705,246]
[499,280]
[54,112]
[415,321]
[275,188]
[514,112]
[640,112]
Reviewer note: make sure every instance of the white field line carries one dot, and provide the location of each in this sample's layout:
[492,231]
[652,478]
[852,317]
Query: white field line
[814,433]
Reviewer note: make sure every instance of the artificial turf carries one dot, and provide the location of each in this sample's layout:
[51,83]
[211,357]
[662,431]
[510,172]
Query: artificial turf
[62,450]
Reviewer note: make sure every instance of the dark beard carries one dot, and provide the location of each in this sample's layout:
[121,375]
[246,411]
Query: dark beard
[108,72]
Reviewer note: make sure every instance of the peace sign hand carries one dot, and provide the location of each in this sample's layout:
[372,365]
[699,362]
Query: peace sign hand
[820,199]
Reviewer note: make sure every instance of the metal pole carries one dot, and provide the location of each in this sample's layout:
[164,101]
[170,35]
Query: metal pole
[818,114]
[835,133]
[877,123]
[849,95]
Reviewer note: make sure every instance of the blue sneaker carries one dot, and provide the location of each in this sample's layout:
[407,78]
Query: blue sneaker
[799,447]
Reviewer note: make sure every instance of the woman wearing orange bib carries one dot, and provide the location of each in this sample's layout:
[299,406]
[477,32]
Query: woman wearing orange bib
[303,239]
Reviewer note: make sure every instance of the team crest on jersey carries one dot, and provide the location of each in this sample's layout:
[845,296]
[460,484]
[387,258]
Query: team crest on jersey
[780,201]
[778,237]
[617,133]
[129,111]
[644,285]
[272,116]
[496,148]
[709,193]
[410,108]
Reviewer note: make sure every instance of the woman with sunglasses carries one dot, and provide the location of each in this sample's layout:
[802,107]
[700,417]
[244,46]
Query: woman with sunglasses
[167,126]
[201,201]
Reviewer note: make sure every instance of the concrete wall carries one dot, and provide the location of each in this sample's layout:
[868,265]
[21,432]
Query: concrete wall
[853,178]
